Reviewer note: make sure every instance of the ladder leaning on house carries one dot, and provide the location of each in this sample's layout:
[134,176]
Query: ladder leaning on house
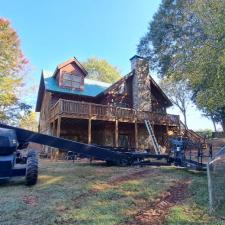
[152,136]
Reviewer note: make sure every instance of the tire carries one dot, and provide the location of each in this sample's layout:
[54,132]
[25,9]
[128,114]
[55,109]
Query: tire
[32,168]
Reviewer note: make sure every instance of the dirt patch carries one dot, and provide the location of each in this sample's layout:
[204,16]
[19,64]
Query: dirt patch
[62,209]
[131,176]
[30,200]
[78,200]
[155,213]
[114,181]
[120,179]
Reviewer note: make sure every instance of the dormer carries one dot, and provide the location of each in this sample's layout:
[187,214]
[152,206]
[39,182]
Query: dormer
[71,74]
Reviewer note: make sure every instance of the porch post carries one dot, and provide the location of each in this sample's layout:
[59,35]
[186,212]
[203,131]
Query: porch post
[58,127]
[116,134]
[167,138]
[136,134]
[53,128]
[53,133]
[58,135]
[89,131]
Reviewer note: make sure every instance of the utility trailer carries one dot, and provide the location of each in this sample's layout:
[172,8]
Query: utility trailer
[13,139]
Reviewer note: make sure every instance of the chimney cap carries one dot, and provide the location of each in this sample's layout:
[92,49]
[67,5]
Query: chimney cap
[136,57]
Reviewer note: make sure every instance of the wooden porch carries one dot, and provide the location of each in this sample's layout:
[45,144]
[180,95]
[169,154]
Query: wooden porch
[84,110]
[66,109]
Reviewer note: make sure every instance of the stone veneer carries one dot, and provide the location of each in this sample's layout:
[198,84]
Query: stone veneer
[141,84]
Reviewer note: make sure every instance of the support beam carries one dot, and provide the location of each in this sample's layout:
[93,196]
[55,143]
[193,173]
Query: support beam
[116,134]
[167,129]
[53,134]
[58,135]
[136,134]
[166,143]
[58,127]
[89,131]
[53,128]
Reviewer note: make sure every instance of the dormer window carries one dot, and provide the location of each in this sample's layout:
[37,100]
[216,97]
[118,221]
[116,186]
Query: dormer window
[72,81]
[70,74]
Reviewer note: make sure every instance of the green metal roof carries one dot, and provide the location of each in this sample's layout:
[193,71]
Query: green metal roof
[91,87]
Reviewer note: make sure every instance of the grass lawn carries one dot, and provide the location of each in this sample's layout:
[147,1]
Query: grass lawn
[80,193]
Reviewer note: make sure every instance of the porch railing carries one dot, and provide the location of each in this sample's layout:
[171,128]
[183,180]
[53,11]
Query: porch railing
[84,110]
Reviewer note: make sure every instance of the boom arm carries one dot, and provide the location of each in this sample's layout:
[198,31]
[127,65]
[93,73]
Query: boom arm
[24,136]
[102,153]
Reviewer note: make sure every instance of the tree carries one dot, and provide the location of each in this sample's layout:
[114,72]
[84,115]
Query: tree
[101,70]
[211,116]
[185,40]
[179,93]
[29,121]
[12,65]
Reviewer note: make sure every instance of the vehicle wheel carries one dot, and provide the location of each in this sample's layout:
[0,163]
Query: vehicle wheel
[32,168]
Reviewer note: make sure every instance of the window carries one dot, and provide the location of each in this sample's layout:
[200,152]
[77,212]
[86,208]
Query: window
[72,81]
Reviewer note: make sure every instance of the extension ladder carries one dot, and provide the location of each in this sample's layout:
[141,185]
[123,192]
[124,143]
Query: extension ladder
[152,136]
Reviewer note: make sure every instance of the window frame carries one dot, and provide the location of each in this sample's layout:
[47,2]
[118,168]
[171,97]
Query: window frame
[79,84]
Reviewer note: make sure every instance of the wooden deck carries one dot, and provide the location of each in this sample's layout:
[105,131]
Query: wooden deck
[84,110]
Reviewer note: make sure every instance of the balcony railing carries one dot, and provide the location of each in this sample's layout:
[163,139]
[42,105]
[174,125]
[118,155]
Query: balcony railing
[84,110]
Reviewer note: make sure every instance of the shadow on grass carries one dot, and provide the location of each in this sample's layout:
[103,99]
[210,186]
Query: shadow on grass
[87,163]
[12,182]
[97,164]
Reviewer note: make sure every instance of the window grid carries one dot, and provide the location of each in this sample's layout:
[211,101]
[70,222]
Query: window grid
[72,81]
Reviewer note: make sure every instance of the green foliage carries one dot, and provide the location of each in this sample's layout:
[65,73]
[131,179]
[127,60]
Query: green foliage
[29,121]
[12,59]
[205,133]
[12,64]
[179,93]
[186,40]
[101,70]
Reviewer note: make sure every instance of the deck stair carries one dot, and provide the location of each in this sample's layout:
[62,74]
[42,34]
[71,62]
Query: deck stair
[152,136]
[193,136]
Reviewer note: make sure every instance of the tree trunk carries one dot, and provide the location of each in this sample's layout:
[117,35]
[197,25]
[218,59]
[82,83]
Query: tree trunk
[214,124]
[185,119]
[223,126]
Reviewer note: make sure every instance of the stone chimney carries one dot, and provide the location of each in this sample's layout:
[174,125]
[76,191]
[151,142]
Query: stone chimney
[141,83]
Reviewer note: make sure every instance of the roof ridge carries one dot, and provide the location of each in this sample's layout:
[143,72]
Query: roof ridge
[76,61]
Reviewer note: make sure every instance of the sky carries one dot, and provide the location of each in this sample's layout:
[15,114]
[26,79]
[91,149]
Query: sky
[53,31]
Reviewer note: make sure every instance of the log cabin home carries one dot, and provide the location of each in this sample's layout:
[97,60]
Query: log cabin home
[77,108]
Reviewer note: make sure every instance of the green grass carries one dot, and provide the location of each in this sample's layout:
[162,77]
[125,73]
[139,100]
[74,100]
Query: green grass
[83,194]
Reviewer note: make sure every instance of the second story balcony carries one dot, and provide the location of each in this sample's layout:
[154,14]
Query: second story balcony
[85,110]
